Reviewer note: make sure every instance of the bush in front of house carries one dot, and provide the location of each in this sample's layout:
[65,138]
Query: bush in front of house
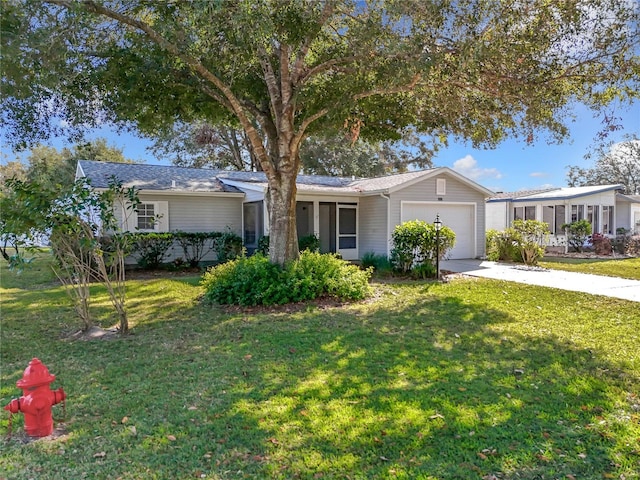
[577,234]
[533,234]
[414,247]
[601,244]
[227,246]
[195,245]
[379,263]
[632,246]
[151,248]
[523,242]
[503,245]
[249,281]
[309,242]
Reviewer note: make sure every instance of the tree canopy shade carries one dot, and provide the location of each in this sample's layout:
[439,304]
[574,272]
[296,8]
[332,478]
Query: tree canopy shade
[282,70]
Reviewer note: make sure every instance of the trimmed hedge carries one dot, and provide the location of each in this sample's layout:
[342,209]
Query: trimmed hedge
[152,248]
[256,281]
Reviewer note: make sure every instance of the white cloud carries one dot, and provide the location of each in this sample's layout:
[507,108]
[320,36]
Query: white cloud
[538,174]
[468,166]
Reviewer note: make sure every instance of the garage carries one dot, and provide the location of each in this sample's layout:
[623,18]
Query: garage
[459,217]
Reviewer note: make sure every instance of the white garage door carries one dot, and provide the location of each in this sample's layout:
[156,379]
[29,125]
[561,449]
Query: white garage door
[459,218]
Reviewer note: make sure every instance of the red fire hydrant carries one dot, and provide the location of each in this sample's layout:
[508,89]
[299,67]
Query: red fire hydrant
[37,399]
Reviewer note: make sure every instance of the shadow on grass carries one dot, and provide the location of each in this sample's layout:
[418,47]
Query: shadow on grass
[421,386]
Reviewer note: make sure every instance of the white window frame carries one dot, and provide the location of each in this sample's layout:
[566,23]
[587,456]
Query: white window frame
[608,220]
[154,217]
[441,186]
[161,213]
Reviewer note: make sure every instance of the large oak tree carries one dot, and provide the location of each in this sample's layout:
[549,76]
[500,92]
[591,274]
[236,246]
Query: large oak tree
[282,70]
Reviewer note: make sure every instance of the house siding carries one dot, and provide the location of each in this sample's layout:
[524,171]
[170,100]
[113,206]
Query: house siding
[373,233]
[197,214]
[456,192]
[201,213]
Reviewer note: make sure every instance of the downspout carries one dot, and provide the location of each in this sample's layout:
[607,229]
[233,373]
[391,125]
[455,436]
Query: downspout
[388,199]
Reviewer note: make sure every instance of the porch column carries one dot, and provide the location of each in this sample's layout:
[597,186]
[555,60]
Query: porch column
[316,218]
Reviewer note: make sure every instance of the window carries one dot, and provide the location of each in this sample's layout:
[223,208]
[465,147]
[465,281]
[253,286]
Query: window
[553,215]
[441,186]
[524,213]
[548,217]
[593,217]
[529,213]
[518,213]
[577,213]
[146,216]
[252,223]
[607,219]
[560,219]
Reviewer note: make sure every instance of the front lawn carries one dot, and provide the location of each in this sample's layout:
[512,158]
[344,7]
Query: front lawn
[475,379]
[625,268]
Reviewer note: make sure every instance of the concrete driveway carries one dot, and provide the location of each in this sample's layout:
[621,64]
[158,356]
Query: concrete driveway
[576,282]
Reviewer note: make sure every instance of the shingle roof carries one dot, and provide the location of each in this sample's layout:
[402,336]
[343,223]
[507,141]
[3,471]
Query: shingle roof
[154,177]
[161,177]
[170,178]
[389,181]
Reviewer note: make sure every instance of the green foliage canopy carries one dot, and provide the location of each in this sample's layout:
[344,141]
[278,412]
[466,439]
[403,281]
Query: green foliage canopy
[282,70]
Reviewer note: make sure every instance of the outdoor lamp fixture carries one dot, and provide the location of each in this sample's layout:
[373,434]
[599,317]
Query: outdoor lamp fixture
[438,225]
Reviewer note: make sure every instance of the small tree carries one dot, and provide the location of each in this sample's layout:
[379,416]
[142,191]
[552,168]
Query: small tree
[577,234]
[533,234]
[74,220]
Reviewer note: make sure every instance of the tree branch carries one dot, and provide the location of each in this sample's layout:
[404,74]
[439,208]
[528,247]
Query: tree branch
[298,64]
[233,102]
[389,91]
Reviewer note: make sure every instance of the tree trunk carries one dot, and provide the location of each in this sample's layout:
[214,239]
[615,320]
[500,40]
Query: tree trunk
[281,201]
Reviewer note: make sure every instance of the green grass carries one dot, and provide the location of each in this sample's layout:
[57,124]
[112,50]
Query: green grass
[450,381]
[625,268]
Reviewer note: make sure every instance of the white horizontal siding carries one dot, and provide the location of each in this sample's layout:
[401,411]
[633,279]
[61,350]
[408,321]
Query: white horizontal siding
[373,225]
[198,214]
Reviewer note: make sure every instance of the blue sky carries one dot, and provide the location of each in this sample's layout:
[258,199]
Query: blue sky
[514,165]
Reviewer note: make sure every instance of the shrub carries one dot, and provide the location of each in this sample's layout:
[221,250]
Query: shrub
[309,242]
[414,244]
[503,246]
[577,234]
[227,246]
[601,244]
[263,245]
[632,246]
[533,234]
[380,263]
[621,240]
[151,248]
[256,281]
[244,281]
[195,245]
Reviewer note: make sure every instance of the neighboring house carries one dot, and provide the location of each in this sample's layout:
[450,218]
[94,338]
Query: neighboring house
[349,216]
[603,206]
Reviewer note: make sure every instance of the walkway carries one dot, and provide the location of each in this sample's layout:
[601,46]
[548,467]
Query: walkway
[576,282]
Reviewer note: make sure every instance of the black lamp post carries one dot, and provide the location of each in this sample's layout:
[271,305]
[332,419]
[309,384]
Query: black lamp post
[438,225]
